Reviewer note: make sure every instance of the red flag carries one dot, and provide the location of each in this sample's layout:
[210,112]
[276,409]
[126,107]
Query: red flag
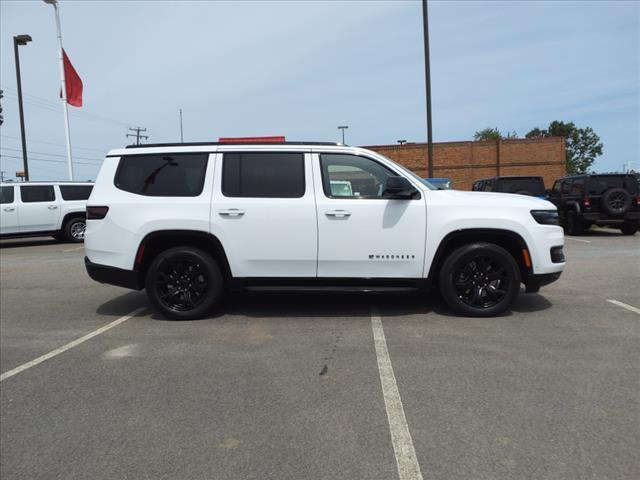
[73,83]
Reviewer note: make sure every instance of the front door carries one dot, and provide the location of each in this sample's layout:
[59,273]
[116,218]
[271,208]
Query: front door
[39,209]
[360,233]
[264,213]
[8,210]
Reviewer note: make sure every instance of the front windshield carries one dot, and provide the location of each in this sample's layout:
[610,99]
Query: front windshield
[410,173]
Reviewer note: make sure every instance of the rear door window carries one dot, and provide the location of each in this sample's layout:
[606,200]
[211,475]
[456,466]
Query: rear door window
[598,184]
[163,175]
[6,195]
[37,193]
[75,192]
[263,175]
[577,187]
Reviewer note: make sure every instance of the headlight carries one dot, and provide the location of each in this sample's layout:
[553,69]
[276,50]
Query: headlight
[546,217]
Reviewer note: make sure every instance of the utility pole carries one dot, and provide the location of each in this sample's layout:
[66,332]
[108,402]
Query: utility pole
[427,74]
[181,135]
[1,175]
[138,135]
[21,40]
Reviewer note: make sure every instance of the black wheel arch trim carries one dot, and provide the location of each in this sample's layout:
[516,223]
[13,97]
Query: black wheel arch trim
[172,238]
[70,216]
[452,240]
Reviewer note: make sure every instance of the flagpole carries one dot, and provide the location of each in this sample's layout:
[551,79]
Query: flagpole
[64,88]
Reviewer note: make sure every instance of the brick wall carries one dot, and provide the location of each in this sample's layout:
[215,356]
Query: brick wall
[465,162]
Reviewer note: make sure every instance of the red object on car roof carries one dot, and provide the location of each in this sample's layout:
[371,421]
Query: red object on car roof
[251,139]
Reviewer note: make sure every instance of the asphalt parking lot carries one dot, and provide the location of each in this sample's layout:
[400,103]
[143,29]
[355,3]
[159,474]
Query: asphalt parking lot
[320,386]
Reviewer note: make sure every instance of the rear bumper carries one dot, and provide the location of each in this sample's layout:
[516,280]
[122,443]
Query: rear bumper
[533,282]
[112,275]
[602,218]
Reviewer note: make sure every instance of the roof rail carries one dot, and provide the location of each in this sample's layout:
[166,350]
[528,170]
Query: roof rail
[207,144]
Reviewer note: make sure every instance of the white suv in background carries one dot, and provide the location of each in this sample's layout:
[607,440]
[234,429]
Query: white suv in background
[44,208]
[189,221]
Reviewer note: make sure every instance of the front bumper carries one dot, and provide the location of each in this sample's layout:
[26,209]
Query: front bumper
[112,275]
[533,282]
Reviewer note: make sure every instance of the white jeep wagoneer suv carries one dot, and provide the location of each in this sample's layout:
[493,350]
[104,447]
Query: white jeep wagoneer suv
[189,221]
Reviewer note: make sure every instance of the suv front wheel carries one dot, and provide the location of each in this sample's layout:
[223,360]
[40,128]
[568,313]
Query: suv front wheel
[480,280]
[185,283]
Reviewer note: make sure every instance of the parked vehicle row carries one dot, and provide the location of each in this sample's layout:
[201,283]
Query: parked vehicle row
[189,221]
[44,208]
[611,200]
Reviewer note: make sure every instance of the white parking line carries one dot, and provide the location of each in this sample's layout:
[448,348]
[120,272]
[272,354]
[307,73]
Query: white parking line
[73,249]
[578,239]
[68,346]
[624,305]
[408,467]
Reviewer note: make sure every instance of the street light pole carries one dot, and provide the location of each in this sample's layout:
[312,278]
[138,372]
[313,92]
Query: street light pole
[181,135]
[343,128]
[21,40]
[427,74]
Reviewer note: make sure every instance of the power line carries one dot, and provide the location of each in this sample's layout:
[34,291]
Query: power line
[137,135]
[52,154]
[48,160]
[75,147]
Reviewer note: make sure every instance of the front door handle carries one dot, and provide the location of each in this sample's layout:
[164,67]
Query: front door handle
[9,209]
[338,213]
[52,207]
[231,212]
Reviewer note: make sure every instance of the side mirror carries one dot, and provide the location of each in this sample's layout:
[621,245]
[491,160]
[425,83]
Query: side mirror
[399,188]
[547,192]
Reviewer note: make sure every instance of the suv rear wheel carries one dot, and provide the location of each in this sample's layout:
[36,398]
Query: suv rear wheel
[480,280]
[184,283]
[74,230]
[629,228]
[575,225]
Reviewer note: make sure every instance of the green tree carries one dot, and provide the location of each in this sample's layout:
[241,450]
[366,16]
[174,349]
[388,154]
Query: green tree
[582,144]
[493,134]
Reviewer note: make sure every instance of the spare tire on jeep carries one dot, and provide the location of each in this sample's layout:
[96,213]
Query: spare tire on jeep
[616,201]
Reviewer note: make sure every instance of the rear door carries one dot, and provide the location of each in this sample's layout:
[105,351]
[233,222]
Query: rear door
[360,233]
[8,210]
[264,213]
[39,208]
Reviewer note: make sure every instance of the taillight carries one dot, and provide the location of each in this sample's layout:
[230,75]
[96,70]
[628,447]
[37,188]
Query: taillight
[96,213]
[586,202]
[638,200]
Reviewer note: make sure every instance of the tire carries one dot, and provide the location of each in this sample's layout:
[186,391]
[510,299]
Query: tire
[74,230]
[616,201]
[575,225]
[629,228]
[479,280]
[184,283]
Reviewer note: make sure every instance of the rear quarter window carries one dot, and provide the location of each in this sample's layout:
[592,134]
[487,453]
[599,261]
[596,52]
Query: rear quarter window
[75,192]
[599,184]
[163,175]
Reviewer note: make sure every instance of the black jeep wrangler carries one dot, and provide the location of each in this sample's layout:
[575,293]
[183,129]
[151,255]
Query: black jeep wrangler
[606,200]
[533,186]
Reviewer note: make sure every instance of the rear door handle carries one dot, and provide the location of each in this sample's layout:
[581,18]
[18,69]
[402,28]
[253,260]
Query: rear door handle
[231,212]
[9,209]
[52,207]
[338,213]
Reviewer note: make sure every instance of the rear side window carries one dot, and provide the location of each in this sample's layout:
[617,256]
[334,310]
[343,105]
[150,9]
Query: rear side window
[598,184]
[163,175]
[37,193]
[263,175]
[6,195]
[75,192]
[577,187]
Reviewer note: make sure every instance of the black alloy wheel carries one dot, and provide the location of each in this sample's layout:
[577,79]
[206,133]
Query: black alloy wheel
[480,280]
[184,283]
[616,201]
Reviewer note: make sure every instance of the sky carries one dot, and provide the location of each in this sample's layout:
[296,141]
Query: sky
[300,69]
